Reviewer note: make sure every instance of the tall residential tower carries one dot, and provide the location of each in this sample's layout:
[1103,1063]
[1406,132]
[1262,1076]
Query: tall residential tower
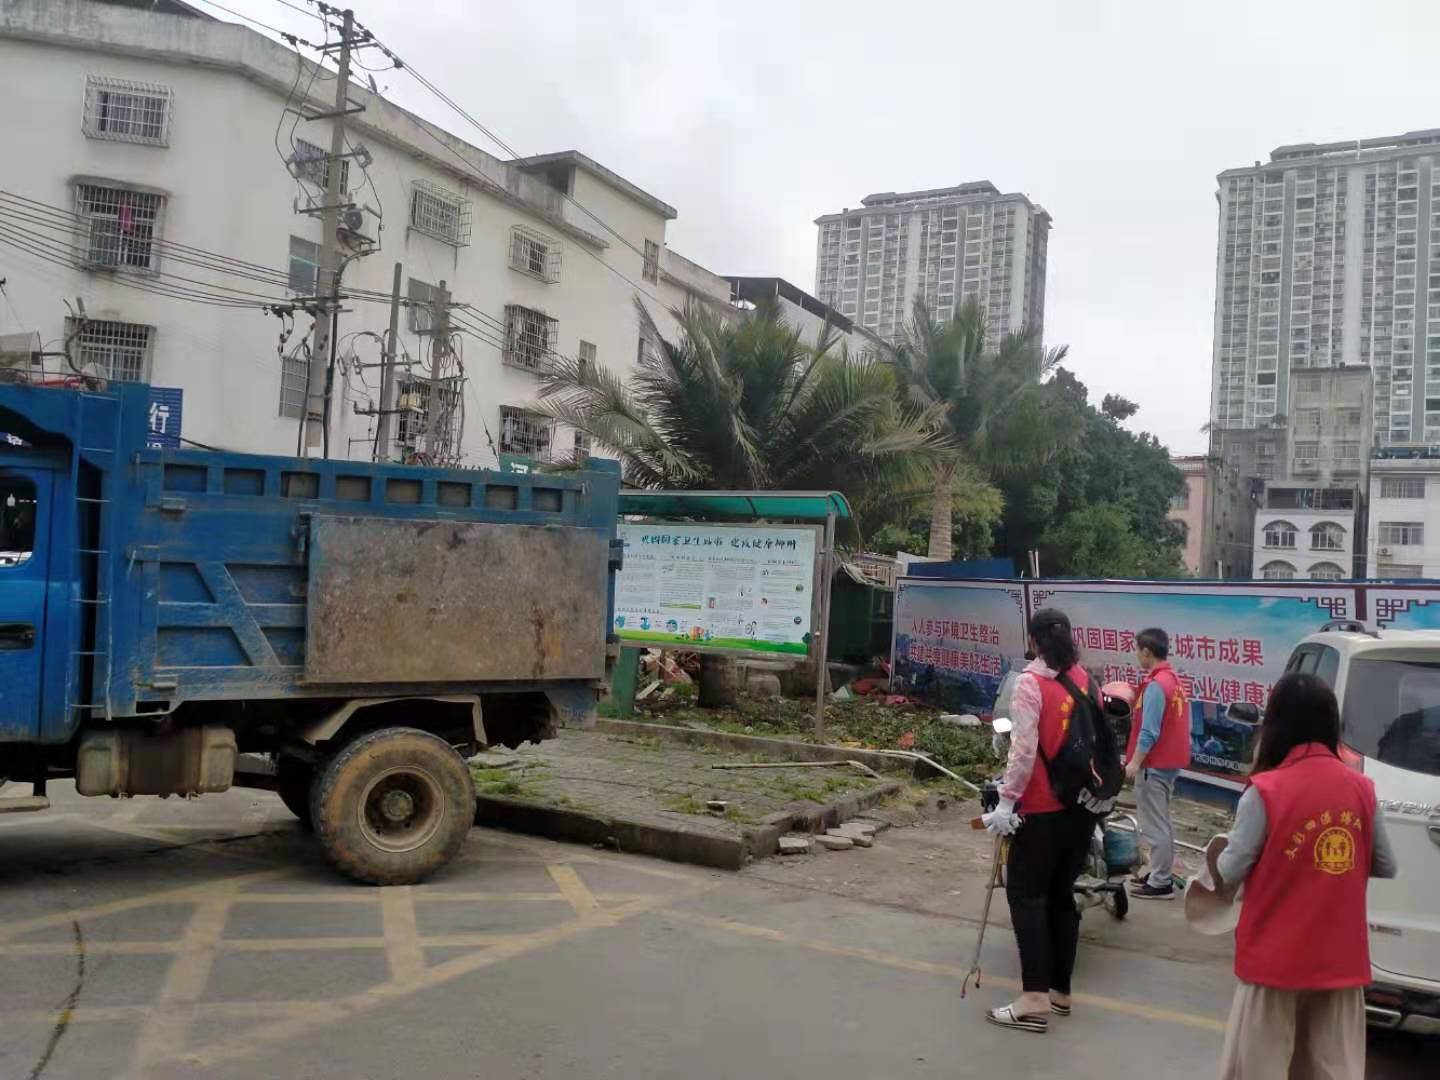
[945,246]
[1329,255]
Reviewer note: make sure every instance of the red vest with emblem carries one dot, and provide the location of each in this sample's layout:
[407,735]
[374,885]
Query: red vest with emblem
[1302,920]
[1056,705]
[1172,749]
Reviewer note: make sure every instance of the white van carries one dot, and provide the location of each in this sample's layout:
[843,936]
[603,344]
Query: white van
[1388,684]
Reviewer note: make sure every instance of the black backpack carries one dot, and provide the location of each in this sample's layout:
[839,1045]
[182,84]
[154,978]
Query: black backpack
[1086,772]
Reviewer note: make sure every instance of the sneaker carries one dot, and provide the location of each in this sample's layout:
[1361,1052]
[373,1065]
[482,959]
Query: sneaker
[1151,892]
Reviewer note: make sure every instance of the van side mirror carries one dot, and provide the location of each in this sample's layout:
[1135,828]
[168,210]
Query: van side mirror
[1244,711]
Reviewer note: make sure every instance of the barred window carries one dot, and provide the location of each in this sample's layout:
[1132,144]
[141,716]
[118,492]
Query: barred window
[525,433]
[535,254]
[294,372]
[127,111]
[587,357]
[118,227]
[304,266]
[442,214]
[119,351]
[530,337]
[311,164]
[651,270]
[415,396]
[582,447]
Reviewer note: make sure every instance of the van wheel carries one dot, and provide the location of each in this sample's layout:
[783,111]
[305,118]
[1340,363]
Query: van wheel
[293,780]
[393,806]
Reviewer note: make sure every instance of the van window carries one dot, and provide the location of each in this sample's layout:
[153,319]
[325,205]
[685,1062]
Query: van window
[1392,712]
[17,521]
[1327,664]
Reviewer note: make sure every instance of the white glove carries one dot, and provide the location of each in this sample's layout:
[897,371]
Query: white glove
[1002,821]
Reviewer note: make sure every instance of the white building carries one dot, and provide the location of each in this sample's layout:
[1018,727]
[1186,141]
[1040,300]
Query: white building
[1404,532]
[946,246]
[153,166]
[1330,255]
[1308,532]
[684,283]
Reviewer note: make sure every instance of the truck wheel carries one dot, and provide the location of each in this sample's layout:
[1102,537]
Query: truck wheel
[293,780]
[393,806]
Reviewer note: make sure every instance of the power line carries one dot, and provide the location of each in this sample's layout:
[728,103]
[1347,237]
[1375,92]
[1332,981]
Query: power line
[256,22]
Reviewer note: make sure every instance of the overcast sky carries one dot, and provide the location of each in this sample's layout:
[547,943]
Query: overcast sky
[752,119]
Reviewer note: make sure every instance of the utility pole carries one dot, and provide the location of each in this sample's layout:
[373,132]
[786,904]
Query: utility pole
[387,373]
[439,352]
[328,279]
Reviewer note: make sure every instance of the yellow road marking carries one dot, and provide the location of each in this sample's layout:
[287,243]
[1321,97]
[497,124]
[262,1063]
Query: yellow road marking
[164,1033]
[402,936]
[574,890]
[949,971]
[247,1043]
[183,894]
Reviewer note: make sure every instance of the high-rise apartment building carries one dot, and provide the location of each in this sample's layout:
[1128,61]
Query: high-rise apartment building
[946,246]
[1329,255]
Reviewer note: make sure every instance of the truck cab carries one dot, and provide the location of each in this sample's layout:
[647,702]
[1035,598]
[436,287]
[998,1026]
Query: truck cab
[175,622]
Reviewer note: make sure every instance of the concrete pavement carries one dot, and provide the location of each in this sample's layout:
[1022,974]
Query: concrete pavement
[208,939]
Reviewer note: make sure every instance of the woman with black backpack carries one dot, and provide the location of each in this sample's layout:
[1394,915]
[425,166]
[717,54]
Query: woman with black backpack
[1049,845]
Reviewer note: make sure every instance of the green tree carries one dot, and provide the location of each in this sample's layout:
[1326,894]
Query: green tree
[746,404]
[1100,508]
[998,416]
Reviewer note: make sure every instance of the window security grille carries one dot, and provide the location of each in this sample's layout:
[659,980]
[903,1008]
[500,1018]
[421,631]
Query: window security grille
[311,164]
[117,227]
[415,397]
[525,433]
[530,338]
[440,213]
[534,254]
[294,370]
[127,111]
[119,351]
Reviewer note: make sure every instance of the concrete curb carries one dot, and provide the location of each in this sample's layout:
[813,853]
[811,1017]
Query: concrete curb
[777,749]
[676,843]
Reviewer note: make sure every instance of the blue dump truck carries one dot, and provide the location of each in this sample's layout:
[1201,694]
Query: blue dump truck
[177,622]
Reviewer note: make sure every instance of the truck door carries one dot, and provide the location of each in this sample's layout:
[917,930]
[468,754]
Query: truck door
[24,527]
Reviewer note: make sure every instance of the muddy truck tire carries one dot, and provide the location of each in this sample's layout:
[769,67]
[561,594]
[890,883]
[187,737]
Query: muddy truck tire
[393,806]
[294,780]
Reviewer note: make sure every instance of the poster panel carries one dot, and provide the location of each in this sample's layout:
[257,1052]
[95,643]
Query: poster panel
[955,640]
[1228,644]
[734,588]
[1404,607]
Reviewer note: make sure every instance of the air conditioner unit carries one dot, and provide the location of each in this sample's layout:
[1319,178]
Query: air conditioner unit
[1384,552]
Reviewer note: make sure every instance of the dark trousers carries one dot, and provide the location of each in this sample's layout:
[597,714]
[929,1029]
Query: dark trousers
[1046,856]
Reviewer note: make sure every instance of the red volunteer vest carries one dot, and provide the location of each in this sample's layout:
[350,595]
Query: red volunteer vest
[1172,750]
[1302,922]
[1056,705]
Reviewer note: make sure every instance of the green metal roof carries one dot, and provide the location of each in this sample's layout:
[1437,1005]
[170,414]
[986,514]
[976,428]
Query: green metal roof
[772,505]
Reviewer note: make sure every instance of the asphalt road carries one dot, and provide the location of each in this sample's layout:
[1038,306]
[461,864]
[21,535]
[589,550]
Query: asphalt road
[208,939]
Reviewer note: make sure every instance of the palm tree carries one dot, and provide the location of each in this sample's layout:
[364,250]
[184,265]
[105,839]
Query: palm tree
[746,404]
[997,415]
